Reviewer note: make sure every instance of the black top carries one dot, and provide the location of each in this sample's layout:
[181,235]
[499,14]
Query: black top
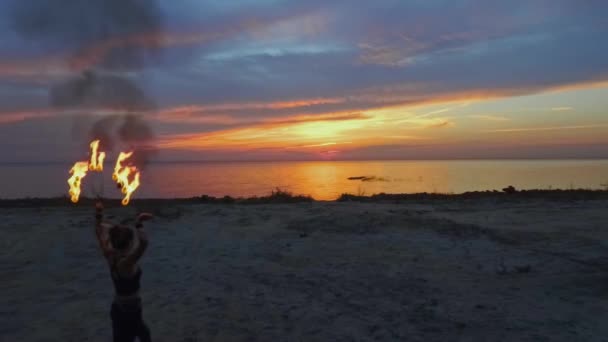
[126,286]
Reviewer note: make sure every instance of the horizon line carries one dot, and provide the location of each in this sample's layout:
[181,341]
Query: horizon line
[190,161]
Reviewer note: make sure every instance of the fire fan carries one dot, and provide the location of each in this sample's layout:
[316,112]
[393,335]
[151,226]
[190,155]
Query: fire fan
[126,176]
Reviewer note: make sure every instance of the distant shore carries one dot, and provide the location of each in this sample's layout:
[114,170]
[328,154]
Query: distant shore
[283,197]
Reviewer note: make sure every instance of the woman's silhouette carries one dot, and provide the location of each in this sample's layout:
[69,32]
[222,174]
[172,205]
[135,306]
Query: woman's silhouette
[123,247]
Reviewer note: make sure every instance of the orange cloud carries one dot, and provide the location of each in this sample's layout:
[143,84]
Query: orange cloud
[97,52]
[441,124]
[192,114]
[489,117]
[380,124]
[325,144]
[68,63]
[208,114]
[292,132]
[366,100]
[561,109]
[47,67]
[318,117]
[258,105]
[421,95]
[552,128]
[13,117]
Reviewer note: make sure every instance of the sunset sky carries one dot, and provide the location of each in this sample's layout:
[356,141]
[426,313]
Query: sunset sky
[329,80]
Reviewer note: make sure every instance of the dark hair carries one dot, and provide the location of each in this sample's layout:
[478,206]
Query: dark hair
[120,237]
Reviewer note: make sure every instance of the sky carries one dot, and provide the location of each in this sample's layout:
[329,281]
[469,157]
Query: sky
[307,80]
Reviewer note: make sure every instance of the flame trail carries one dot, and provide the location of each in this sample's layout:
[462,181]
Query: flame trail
[80,169]
[121,158]
[78,172]
[128,189]
[96,163]
[126,176]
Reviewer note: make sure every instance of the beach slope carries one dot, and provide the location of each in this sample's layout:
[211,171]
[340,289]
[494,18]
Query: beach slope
[478,269]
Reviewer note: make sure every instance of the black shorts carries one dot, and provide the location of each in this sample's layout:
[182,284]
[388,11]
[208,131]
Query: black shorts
[127,321]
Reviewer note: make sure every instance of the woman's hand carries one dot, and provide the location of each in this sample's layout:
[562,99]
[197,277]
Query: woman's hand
[144,217]
[99,212]
[101,229]
[142,244]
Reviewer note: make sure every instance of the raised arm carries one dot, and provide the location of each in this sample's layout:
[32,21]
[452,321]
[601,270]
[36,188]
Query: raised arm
[101,230]
[142,242]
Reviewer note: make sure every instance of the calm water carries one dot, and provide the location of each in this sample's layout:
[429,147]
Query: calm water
[322,180]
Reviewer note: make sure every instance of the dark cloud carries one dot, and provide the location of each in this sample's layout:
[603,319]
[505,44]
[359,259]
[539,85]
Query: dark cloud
[81,24]
[108,38]
[522,64]
[95,90]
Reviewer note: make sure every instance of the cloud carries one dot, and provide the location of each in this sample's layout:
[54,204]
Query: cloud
[441,124]
[289,133]
[460,52]
[551,128]
[10,118]
[489,117]
[100,50]
[562,109]
[235,70]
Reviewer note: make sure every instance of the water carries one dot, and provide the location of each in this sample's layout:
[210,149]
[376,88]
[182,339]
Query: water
[322,180]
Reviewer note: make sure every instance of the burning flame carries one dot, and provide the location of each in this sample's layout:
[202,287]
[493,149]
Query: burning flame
[78,172]
[126,177]
[80,169]
[128,189]
[121,158]
[96,163]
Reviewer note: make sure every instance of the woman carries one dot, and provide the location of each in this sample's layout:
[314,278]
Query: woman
[118,245]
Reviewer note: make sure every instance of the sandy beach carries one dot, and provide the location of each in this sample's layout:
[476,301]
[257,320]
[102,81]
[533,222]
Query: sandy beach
[479,269]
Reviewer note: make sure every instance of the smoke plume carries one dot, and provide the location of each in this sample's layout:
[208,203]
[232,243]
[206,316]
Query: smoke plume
[100,36]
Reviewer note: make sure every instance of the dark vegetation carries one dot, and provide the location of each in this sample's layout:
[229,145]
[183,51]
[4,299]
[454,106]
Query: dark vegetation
[276,196]
[281,196]
[507,193]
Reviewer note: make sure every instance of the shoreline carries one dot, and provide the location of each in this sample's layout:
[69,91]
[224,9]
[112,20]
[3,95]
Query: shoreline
[283,197]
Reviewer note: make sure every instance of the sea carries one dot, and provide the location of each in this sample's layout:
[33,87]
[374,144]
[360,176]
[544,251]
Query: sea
[323,180]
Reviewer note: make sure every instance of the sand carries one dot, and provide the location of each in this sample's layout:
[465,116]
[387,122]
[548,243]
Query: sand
[461,270]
